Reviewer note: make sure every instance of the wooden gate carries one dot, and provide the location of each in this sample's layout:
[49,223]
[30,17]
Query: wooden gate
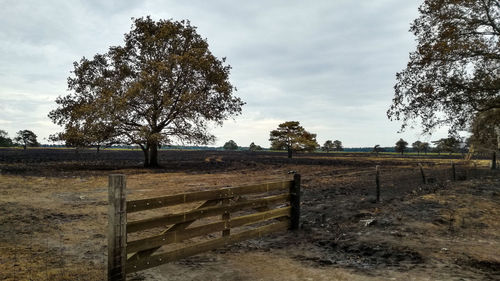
[253,210]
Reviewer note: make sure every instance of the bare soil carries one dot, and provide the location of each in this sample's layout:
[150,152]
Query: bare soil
[53,216]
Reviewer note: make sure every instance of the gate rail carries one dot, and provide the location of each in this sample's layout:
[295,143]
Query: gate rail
[280,210]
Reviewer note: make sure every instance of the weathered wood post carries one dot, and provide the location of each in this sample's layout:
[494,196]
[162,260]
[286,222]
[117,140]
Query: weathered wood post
[225,217]
[377,181]
[117,223]
[422,173]
[453,171]
[295,202]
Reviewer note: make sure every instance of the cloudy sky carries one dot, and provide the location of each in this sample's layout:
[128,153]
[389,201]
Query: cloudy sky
[329,64]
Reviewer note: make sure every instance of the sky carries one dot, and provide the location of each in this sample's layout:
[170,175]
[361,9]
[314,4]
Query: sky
[329,64]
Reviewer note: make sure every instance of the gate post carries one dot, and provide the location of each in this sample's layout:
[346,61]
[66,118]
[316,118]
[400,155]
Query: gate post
[295,202]
[117,223]
[377,182]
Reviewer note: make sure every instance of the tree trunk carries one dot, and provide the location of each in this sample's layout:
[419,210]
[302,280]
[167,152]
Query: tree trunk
[153,155]
[494,160]
[145,150]
[289,152]
[98,147]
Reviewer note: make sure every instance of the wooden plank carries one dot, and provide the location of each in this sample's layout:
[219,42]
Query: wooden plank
[203,213]
[164,201]
[181,235]
[175,227]
[117,223]
[197,248]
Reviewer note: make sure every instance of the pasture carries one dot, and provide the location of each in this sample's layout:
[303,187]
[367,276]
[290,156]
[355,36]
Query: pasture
[53,215]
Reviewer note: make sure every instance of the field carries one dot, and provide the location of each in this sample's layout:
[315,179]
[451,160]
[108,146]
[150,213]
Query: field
[53,216]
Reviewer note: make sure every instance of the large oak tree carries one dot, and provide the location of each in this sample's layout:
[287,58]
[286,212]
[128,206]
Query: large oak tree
[454,74]
[162,84]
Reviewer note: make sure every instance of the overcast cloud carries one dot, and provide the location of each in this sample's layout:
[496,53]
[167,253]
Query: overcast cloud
[329,64]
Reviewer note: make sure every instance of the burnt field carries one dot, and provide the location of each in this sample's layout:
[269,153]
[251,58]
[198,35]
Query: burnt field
[38,160]
[53,216]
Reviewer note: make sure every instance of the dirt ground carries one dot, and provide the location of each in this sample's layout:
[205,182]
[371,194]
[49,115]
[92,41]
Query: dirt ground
[53,218]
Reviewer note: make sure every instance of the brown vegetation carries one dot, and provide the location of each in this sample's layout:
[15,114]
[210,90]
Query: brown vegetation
[53,218]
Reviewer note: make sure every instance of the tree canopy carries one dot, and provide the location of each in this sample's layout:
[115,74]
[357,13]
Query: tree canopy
[254,147]
[484,129]
[26,138]
[162,84]
[338,145]
[230,145]
[417,146]
[291,136]
[454,74]
[401,146]
[328,145]
[449,144]
[5,141]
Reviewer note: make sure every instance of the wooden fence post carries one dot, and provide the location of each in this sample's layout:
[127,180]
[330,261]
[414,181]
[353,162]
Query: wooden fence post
[117,233]
[377,181]
[225,217]
[295,202]
[453,171]
[494,160]
[422,173]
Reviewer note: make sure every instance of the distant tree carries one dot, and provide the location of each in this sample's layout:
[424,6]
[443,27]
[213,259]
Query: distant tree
[401,146]
[5,141]
[338,145]
[377,149]
[162,84]
[230,145]
[449,144]
[291,136]
[254,147]
[26,138]
[453,75]
[417,146]
[424,146]
[328,145]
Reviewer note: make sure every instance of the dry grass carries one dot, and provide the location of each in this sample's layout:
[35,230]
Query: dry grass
[53,228]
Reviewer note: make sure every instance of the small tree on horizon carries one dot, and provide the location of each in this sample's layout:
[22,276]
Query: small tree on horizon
[291,136]
[449,145]
[417,146]
[338,145]
[377,149]
[401,146]
[26,138]
[424,146]
[230,145]
[327,146]
[254,147]
[5,141]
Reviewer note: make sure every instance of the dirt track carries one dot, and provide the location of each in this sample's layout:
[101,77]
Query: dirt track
[53,215]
